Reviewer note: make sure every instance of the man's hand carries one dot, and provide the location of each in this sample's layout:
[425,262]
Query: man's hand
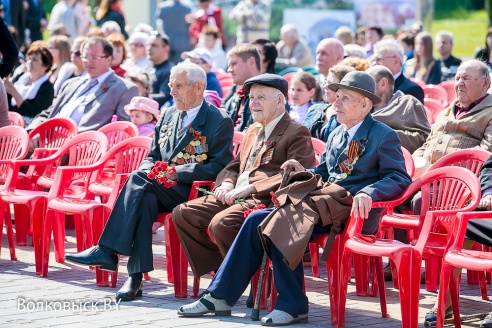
[295,166]
[486,203]
[239,193]
[361,205]
[221,191]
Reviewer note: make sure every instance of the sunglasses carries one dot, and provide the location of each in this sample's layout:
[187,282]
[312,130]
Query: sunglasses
[76,53]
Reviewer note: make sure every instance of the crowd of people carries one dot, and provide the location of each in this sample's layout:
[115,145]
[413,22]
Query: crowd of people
[359,93]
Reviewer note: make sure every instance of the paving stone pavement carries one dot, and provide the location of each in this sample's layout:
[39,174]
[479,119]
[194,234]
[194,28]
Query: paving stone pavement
[76,284]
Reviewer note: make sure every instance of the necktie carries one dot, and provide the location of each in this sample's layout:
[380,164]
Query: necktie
[343,143]
[181,118]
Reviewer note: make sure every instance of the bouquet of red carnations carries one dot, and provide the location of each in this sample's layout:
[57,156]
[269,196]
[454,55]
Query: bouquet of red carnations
[161,172]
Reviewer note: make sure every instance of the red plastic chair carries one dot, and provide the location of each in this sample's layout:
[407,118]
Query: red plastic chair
[445,191]
[90,215]
[118,131]
[83,149]
[319,148]
[436,92]
[176,261]
[237,140]
[14,145]
[16,119]
[409,163]
[458,257]
[419,82]
[432,109]
[448,86]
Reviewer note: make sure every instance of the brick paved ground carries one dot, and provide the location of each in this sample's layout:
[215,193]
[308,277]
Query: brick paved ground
[158,306]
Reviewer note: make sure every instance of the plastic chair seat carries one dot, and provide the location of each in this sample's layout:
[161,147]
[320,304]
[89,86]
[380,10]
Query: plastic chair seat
[377,247]
[471,260]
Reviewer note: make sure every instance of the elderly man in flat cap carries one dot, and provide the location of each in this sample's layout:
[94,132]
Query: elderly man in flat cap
[268,143]
[378,174]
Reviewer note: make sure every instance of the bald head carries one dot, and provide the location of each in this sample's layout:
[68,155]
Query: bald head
[385,82]
[329,52]
[471,82]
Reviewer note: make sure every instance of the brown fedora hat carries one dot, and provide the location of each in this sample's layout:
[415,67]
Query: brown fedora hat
[360,82]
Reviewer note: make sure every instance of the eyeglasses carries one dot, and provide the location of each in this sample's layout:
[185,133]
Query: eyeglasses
[379,58]
[76,53]
[84,58]
[137,44]
[164,37]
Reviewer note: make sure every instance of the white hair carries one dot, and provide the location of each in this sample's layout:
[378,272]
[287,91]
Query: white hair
[194,73]
[138,37]
[392,46]
[110,26]
[143,28]
[354,50]
[445,33]
[289,29]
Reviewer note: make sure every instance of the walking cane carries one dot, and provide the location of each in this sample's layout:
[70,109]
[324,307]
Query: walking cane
[255,313]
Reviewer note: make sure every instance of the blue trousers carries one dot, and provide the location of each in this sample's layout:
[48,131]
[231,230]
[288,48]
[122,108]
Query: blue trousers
[244,259]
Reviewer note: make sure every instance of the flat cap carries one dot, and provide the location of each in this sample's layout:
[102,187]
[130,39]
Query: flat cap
[268,80]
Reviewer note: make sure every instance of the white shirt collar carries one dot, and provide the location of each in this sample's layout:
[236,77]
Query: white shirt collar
[397,75]
[190,115]
[101,78]
[353,130]
[270,126]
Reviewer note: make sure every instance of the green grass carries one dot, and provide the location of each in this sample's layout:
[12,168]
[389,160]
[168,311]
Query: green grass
[469,30]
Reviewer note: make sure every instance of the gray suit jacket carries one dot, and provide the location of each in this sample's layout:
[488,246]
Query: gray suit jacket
[217,129]
[110,99]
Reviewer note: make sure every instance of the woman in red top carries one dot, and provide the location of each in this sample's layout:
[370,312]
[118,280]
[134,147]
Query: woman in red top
[208,14]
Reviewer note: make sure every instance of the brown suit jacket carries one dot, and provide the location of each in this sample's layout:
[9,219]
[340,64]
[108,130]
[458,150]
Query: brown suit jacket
[301,205]
[288,139]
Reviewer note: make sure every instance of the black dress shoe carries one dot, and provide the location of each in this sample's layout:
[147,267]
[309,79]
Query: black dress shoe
[487,322]
[96,257]
[131,289]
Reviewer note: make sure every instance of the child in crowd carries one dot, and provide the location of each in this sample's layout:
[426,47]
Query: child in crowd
[144,113]
[302,91]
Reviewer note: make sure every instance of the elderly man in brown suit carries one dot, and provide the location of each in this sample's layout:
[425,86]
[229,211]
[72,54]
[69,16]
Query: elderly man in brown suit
[403,113]
[267,144]
[467,122]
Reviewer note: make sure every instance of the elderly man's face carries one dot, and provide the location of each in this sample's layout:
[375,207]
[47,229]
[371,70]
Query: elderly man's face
[326,57]
[469,85]
[387,59]
[185,96]
[95,61]
[264,104]
[349,107]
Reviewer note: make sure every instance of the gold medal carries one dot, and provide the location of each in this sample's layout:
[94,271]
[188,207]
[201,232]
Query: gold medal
[204,157]
[343,175]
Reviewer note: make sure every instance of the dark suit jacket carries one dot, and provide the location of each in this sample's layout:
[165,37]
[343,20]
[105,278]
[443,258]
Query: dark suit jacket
[42,100]
[18,19]
[100,107]
[379,172]
[214,125]
[9,50]
[409,88]
[113,15]
[34,16]
[485,175]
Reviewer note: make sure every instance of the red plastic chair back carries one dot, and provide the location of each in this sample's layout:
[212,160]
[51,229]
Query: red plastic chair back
[409,163]
[54,132]
[84,149]
[437,93]
[419,82]
[319,148]
[16,119]
[237,141]
[14,144]
[448,86]
[471,159]
[118,131]
[432,109]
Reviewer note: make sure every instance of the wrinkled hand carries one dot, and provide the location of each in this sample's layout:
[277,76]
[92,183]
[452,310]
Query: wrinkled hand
[361,205]
[294,165]
[239,193]
[486,203]
[221,191]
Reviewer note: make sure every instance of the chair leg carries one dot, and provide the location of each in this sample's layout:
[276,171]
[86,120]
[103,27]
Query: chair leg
[178,259]
[379,273]
[483,285]
[21,224]
[314,255]
[37,220]
[431,273]
[6,217]
[361,269]
[46,243]
[337,266]
[408,269]
[59,236]
[444,284]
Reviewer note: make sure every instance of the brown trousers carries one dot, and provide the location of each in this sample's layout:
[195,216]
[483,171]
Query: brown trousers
[194,218]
